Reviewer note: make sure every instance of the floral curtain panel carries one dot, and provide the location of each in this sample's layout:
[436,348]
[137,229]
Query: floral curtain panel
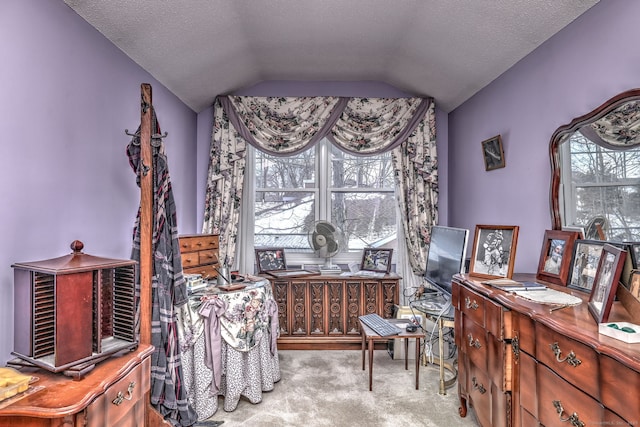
[362,126]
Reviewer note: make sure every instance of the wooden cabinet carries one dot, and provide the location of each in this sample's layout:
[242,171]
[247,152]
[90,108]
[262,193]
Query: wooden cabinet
[556,369]
[199,253]
[321,312]
[111,394]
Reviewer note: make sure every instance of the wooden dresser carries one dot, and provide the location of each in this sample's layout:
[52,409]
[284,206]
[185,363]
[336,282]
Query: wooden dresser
[112,394]
[521,364]
[199,254]
[321,312]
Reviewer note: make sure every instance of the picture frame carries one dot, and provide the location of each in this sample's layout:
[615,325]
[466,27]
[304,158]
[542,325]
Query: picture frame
[270,259]
[606,282]
[634,285]
[493,153]
[576,228]
[634,253]
[376,259]
[555,257]
[584,261]
[494,251]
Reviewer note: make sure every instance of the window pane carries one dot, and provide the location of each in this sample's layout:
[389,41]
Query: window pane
[619,204]
[361,172]
[283,218]
[285,172]
[366,219]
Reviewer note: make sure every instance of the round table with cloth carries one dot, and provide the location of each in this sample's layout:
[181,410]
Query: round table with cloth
[228,347]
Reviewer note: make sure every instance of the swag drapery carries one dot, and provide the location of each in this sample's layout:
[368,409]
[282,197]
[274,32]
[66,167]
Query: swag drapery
[284,126]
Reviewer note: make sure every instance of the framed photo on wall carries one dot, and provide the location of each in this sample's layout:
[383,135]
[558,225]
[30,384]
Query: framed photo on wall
[493,153]
[606,282]
[378,260]
[494,251]
[270,259]
[555,257]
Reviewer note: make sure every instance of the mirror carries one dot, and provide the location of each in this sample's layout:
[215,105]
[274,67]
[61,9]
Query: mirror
[595,166]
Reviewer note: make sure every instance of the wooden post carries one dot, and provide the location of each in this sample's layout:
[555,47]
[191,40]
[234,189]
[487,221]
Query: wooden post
[152,417]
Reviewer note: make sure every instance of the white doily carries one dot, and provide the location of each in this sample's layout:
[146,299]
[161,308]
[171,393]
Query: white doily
[549,296]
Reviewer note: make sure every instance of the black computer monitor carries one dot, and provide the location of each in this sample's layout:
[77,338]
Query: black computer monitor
[446,257]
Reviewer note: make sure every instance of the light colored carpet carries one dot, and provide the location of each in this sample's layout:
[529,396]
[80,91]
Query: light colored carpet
[329,388]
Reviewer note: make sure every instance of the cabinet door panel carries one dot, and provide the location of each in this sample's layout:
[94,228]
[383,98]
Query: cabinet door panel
[335,310]
[620,388]
[317,313]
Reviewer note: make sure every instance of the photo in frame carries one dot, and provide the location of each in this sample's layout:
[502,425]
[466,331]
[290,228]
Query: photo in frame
[270,259]
[494,251]
[374,259]
[633,248]
[634,287]
[493,153]
[584,262]
[555,257]
[606,282]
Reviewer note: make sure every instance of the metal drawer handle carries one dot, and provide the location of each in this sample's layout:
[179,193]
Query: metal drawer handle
[473,343]
[120,397]
[477,386]
[571,358]
[573,418]
[467,301]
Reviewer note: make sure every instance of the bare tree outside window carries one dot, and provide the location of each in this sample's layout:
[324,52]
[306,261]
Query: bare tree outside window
[354,193]
[605,182]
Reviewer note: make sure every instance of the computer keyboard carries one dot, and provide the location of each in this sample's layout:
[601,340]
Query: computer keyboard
[379,325]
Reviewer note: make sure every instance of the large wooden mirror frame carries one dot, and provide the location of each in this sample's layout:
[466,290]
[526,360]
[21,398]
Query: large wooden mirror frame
[597,123]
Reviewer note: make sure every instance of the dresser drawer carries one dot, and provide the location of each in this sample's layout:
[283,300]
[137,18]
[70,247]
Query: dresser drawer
[527,367]
[559,400]
[573,361]
[190,259]
[208,257]
[479,389]
[207,271]
[620,387]
[472,305]
[474,341]
[128,394]
[198,242]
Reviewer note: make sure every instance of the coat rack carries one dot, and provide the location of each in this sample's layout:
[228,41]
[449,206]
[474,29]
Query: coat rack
[152,417]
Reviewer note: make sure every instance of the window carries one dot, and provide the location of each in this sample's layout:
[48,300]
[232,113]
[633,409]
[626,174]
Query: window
[603,183]
[354,193]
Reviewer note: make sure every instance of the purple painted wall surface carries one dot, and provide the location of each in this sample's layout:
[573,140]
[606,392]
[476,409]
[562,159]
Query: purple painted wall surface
[68,94]
[589,61]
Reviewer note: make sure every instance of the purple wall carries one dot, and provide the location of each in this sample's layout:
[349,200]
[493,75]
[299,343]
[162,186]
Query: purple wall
[319,88]
[588,62]
[67,96]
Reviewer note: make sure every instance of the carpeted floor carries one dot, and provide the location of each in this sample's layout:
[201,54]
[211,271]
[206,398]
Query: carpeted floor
[329,388]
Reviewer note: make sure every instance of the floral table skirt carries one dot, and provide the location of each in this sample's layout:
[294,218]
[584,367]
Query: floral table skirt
[261,371]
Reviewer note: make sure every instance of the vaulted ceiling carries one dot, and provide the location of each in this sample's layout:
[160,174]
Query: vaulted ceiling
[448,49]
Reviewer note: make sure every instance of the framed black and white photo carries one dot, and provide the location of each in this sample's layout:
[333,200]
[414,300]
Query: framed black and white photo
[374,259]
[606,282]
[493,153]
[634,252]
[494,251]
[555,258]
[584,262]
[270,259]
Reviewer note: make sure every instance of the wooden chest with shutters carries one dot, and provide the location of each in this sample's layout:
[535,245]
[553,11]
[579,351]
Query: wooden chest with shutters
[73,311]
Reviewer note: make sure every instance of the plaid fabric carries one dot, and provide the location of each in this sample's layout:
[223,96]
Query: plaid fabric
[169,290]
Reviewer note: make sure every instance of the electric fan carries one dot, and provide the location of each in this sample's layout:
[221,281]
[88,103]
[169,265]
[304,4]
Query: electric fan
[324,240]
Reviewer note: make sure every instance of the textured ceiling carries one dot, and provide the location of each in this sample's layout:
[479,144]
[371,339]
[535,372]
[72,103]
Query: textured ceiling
[448,49]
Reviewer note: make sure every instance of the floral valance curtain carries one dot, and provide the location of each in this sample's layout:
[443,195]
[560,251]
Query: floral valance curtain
[284,126]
